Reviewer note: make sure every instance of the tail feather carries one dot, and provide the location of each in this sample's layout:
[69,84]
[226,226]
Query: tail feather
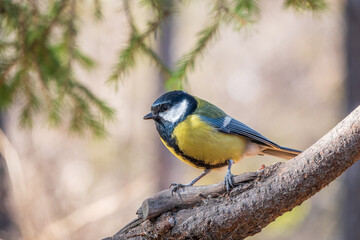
[282,152]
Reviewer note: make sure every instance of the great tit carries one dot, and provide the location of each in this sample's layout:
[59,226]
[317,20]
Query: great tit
[205,137]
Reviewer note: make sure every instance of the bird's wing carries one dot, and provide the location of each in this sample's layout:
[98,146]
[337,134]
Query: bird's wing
[229,125]
[223,123]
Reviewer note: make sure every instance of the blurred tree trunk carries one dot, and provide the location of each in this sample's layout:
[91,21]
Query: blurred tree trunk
[164,164]
[350,209]
[7,226]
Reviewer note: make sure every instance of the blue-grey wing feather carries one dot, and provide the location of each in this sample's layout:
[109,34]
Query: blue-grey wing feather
[238,128]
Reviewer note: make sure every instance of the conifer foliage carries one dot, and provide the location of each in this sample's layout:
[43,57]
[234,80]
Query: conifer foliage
[38,52]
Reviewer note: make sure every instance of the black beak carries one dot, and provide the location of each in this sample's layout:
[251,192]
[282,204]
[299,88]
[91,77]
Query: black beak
[149,116]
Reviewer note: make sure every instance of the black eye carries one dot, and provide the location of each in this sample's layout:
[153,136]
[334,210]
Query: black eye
[165,108]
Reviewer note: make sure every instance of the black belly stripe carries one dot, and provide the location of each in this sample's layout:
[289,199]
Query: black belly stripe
[165,133]
[201,164]
[198,163]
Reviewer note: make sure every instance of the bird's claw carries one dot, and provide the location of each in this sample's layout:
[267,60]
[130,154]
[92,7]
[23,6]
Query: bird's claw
[228,181]
[176,186]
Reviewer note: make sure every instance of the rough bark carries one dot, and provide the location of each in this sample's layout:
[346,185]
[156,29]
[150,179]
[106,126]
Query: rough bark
[207,212]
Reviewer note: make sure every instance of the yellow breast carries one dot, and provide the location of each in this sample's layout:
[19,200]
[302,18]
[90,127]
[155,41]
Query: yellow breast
[199,140]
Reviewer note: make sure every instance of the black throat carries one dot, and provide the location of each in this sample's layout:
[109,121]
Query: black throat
[166,128]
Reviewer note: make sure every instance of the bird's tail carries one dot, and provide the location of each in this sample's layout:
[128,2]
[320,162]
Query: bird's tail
[282,152]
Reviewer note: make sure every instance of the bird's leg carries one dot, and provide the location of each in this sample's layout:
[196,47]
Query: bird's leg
[228,182]
[176,186]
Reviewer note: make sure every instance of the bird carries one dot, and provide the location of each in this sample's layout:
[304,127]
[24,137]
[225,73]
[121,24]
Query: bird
[205,137]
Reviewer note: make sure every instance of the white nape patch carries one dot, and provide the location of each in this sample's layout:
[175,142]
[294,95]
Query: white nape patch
[226,121]
[176,112]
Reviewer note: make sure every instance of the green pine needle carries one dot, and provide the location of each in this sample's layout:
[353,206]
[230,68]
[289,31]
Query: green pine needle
[137,41]
[84,60]
[54,115]
[126,61]
[301,5]
[187,61]
[38,52]
[245,11]
[98,13]
[156,59]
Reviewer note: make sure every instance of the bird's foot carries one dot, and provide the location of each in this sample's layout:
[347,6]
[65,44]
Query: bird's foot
[228,181]
[176,186]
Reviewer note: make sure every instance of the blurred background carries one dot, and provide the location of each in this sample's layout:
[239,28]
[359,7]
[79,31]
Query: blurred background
[287,76]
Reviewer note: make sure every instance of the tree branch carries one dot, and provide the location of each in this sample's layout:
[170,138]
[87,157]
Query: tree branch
[207,212]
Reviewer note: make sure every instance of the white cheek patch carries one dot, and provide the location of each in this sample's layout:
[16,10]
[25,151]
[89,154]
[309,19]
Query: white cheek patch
[176,112]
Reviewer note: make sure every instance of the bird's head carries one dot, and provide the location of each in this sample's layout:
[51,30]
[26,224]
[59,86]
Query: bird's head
[172,108]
